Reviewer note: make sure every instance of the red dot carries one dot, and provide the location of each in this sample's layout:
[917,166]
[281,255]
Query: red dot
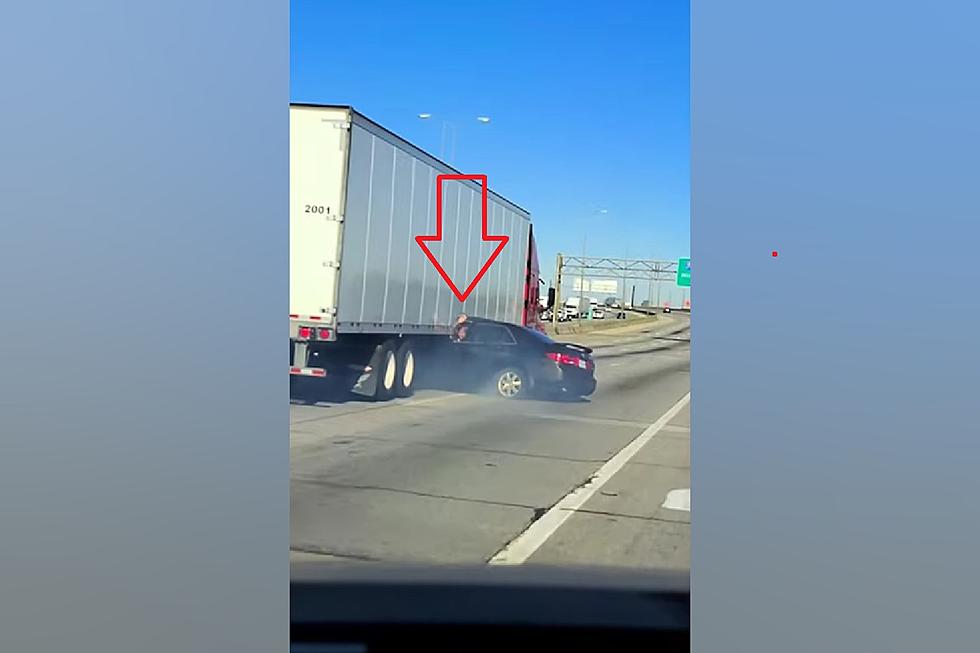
[775,253]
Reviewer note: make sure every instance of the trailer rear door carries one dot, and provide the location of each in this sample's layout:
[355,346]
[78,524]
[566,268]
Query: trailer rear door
[318,146]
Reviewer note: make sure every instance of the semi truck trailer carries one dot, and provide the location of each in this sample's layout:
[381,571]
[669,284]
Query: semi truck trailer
[366,307]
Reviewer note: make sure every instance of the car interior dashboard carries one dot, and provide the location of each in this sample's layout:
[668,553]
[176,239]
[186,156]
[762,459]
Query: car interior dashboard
[373,608]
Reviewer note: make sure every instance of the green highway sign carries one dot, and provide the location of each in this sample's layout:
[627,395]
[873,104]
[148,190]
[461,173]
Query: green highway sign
[684,272]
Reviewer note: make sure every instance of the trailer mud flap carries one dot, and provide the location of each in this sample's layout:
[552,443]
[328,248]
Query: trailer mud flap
[367,383]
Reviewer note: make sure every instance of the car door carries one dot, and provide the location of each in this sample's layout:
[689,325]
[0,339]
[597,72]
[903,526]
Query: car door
[488,348]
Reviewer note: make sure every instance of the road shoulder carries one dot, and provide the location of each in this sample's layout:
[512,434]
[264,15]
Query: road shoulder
[626,523]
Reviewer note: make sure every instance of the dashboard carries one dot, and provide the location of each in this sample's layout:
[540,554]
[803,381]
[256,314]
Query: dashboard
[367,608]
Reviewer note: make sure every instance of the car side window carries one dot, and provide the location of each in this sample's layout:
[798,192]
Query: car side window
[490,334]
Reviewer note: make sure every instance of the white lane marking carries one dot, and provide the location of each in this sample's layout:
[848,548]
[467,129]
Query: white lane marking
[679,499]
[615,364]
[524,545]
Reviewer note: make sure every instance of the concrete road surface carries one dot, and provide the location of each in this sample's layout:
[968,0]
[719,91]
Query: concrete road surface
[455,478]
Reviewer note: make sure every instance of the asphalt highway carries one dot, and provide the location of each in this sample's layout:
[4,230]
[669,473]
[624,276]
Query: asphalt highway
[457,478]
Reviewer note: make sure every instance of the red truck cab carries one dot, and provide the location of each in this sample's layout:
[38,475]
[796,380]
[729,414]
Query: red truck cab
[532,287]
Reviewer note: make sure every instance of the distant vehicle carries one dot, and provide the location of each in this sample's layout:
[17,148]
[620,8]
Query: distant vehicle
[356,317]
[666,309]
[571,308]
[612,302]
[598,313]
[515,361]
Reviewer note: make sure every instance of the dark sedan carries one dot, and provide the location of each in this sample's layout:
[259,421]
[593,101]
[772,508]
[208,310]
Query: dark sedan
[515,361]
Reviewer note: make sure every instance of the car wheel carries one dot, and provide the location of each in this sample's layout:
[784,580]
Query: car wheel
[511,383]
[405,377]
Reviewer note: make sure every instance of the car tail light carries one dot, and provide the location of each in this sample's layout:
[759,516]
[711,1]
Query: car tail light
[566,359]
[305,332]
[323,334]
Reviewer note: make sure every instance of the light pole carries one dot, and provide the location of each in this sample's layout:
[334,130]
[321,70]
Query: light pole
[558,304]
[449,129]
[581,276]
[622,301]
[658,286]
[649,292]
[654,281]
[626,263]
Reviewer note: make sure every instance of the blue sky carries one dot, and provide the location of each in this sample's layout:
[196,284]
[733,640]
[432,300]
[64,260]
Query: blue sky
[589,104]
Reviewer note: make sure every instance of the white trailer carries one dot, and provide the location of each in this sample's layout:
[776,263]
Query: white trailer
[363,298]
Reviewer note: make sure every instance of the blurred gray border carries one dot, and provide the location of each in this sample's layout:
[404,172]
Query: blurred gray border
[835,453]
[143,264]
[144,466]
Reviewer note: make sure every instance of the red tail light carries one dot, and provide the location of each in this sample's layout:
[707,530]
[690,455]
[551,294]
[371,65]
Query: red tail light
[566,359]
[323,334]
[305,332]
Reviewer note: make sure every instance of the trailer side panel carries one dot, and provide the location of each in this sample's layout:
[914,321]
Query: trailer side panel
[386,283]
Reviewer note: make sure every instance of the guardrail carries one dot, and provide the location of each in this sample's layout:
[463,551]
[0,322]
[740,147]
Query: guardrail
[649,310]
[643,310]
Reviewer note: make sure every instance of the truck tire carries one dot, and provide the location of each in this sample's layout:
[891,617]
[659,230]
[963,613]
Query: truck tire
[511,383]
[384,389]
[405,379]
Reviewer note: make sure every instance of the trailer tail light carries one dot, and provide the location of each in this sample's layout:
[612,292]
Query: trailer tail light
[305,332]
[307,371]
[323,334]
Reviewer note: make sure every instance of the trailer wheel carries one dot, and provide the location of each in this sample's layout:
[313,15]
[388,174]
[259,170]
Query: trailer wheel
[387,373]
[405,379]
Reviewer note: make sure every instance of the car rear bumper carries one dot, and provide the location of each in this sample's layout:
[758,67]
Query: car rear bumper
[581,388]
[578,385]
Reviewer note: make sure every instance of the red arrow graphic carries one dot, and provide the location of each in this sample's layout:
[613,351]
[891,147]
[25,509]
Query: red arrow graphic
[422,240]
